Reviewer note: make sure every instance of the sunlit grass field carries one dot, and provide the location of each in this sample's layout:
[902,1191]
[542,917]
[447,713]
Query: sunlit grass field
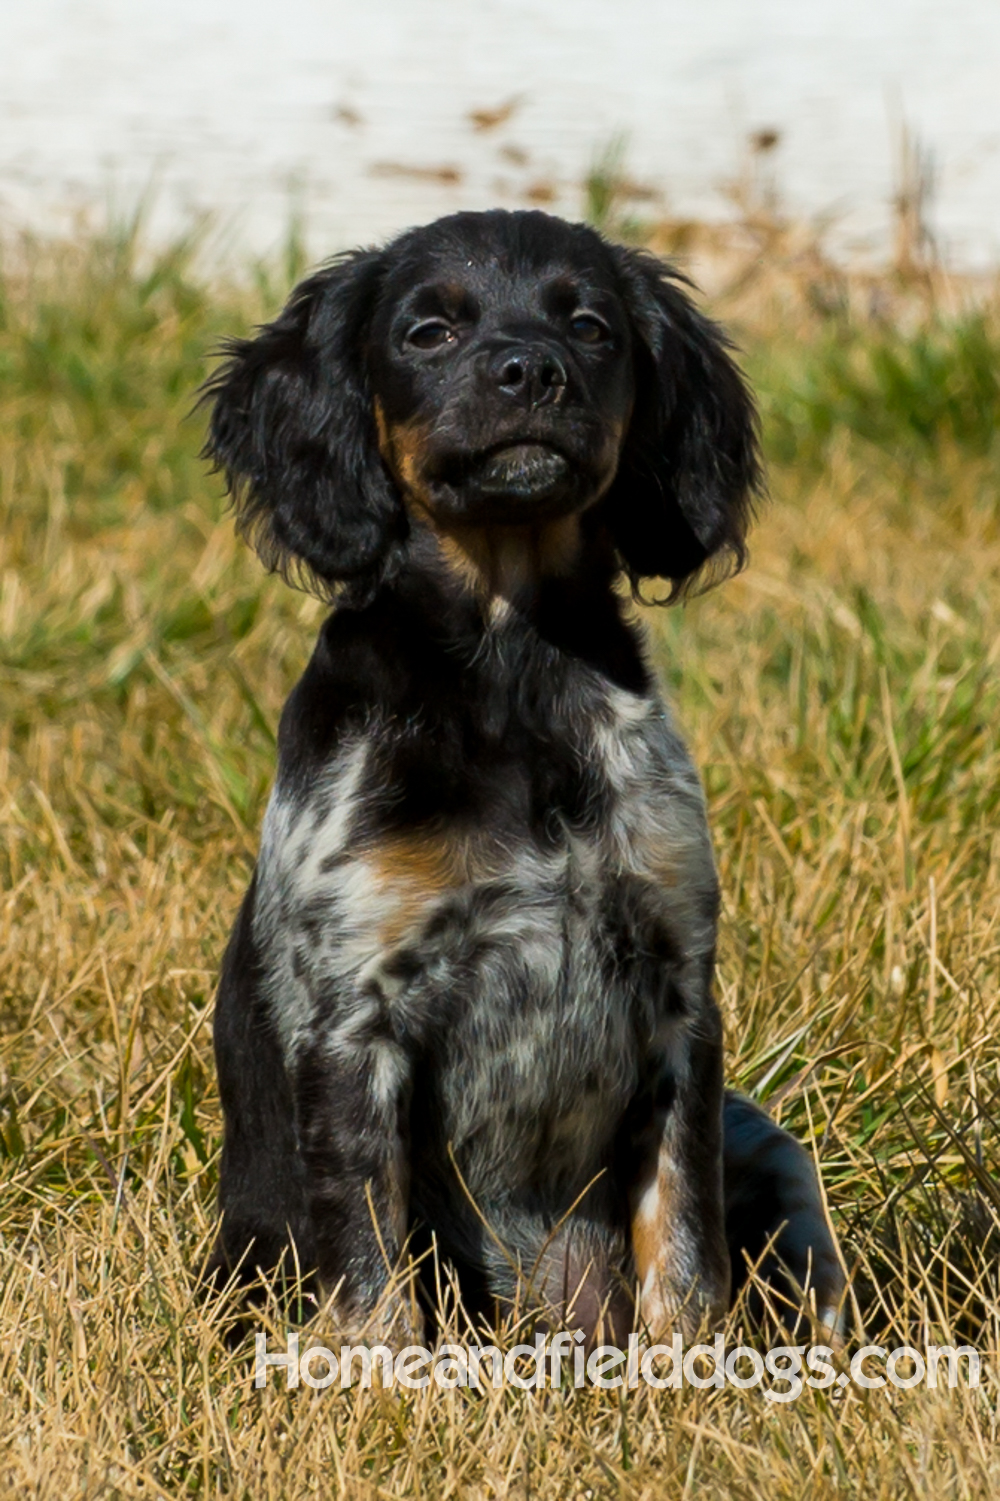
[843,699]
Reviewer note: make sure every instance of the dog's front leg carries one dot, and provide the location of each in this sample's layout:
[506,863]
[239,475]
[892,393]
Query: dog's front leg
[676,1199]
[265,1222]
[352,1099]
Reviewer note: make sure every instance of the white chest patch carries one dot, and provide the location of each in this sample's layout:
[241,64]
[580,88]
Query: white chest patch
[354,932]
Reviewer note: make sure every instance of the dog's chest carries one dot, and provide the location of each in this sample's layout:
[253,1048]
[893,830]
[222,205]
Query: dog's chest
[522,931]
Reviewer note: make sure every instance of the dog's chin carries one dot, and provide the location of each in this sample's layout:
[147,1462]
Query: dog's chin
[518,484]
[521,472]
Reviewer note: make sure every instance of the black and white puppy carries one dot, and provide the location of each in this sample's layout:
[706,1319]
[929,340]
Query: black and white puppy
[469,992]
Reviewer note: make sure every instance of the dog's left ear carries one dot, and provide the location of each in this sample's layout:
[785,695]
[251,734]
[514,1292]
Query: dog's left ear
[690,467]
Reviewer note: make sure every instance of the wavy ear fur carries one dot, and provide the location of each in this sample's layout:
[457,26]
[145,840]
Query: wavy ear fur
[690,469]
[293,430]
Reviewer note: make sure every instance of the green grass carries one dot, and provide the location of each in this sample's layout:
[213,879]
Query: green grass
[909,392]
[842,699]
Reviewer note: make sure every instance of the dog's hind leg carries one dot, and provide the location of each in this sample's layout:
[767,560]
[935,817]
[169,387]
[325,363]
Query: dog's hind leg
[265,1222]
[775,1220]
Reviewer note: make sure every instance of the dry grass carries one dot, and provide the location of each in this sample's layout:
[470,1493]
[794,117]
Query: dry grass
[842,698]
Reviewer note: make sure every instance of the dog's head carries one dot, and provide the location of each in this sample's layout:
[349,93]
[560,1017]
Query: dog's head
[491,370]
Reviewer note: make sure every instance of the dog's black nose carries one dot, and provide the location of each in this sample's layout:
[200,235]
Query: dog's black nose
[529,374]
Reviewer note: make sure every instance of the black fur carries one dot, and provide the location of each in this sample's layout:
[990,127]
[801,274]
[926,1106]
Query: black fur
[470,989]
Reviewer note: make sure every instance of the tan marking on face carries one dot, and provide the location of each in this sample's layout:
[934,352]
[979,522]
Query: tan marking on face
[381,427]
[402,446]
[417,870]
[489,560]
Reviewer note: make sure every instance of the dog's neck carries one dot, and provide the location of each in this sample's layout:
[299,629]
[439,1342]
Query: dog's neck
[535,589]
[501,567]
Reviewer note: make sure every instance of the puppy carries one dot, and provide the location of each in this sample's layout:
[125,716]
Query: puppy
[469,993]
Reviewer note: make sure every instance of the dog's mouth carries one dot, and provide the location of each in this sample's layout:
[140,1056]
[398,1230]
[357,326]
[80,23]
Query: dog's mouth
[521,471]
[514,480]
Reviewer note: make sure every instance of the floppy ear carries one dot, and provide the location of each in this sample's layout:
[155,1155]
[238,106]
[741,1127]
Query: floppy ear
[292,427]
[690,467]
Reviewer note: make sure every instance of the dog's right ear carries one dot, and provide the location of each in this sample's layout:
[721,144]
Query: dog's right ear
[293,430]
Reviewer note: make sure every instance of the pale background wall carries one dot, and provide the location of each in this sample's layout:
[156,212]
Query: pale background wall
[225,103]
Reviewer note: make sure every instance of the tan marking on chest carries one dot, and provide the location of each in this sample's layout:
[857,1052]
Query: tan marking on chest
[415,871]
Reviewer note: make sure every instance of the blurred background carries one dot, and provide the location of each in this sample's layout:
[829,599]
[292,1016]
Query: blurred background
[829,171]
[359,119]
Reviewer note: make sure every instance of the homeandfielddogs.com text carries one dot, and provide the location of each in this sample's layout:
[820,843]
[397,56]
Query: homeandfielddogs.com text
[562,1360]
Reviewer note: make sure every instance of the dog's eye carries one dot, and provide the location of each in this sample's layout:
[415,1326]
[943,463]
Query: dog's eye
[432,333]
[589,329]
